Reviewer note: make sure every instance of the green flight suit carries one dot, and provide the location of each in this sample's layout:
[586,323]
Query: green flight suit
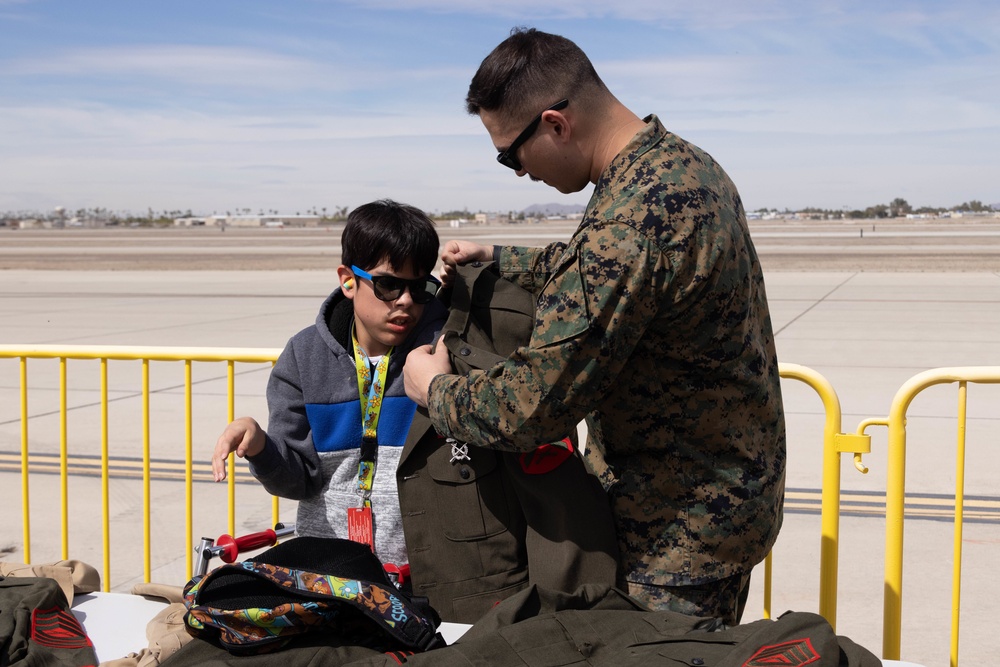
[483,524]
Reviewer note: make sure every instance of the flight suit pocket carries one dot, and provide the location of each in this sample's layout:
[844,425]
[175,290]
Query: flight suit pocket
[469,492]
[545,643]
[471,608]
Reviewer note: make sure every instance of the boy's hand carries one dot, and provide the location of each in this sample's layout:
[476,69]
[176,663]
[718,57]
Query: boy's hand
[243,436]
[462,252]
[422,365]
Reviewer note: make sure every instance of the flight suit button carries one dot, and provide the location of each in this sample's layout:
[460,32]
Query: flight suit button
[477,264]
[697,661]
[464,351]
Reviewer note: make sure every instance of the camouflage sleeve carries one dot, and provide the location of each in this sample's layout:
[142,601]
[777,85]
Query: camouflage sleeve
[591,313]
[528,267]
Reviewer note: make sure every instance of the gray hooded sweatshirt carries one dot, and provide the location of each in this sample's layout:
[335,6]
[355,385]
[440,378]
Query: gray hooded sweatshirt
[313,443]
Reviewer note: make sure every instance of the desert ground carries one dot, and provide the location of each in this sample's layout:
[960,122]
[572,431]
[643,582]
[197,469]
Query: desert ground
[866,304]
[944,245]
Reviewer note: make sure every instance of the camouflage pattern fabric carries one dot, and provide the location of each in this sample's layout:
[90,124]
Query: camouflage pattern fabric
[725,598]
[652,323]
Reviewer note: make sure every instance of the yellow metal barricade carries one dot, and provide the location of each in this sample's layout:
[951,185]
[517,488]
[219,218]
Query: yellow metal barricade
[835,443]
[896,495]
[186,355]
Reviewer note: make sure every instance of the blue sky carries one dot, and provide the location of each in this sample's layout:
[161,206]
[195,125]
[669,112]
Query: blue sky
[224,104]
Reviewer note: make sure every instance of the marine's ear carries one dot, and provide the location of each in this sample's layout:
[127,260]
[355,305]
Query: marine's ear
[558,123]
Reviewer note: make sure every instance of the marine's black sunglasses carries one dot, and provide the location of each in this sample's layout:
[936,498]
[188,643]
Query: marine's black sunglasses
[508,158]
[390,288]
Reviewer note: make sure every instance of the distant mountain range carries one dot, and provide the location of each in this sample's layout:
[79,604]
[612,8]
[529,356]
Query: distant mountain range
[554,209]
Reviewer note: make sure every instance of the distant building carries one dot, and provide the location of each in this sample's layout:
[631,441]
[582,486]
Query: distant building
[33,223]
[251,221]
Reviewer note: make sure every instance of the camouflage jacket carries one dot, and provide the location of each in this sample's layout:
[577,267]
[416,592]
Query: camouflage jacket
[652,324]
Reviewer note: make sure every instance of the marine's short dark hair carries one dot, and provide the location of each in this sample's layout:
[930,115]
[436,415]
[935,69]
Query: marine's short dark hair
[386,230]
[530,69]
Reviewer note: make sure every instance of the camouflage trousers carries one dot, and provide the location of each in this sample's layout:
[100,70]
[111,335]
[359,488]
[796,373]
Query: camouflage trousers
[724,598]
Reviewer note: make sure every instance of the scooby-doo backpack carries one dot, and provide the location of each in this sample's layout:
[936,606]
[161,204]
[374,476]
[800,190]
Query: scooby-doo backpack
[308,585]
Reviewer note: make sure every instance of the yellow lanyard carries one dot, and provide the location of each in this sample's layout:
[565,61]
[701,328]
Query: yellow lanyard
[370,391]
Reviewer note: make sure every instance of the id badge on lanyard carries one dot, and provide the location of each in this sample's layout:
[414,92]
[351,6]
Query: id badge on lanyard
[360,521]
[371,387]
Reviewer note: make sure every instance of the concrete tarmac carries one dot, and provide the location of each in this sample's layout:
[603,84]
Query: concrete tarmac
[866,332]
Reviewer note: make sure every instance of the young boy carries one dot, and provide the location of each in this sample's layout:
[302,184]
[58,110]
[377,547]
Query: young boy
[338,413]
[481,525]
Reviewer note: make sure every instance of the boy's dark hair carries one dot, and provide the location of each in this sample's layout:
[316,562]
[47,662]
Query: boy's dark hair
[386,230]
[526,67]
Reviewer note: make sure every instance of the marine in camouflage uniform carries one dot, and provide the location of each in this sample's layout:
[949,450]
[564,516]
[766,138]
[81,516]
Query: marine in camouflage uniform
[652,323]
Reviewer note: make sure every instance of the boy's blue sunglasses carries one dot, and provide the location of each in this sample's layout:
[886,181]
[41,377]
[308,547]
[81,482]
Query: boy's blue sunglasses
[390,288]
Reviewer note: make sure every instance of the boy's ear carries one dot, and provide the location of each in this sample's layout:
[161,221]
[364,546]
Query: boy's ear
[347,280]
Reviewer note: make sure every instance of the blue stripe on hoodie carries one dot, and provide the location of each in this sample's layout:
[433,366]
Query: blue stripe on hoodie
[337,426]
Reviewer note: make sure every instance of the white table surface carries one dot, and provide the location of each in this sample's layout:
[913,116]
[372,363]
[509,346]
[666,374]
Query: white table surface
[115,622]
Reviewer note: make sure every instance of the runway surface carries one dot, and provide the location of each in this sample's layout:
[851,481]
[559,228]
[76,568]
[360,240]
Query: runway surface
[867,329]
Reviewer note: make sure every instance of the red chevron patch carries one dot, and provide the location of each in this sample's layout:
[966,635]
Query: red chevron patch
[57,628]
[789,654]
[546,458]
[399,656]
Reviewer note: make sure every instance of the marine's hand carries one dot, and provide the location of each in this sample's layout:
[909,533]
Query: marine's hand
[422,365]
[462,252]
[243,436]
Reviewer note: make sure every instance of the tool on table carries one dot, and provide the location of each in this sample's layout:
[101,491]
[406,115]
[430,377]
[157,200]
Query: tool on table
[228,548]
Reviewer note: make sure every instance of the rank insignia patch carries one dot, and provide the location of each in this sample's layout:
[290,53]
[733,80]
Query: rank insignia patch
[57,628]
[788,654]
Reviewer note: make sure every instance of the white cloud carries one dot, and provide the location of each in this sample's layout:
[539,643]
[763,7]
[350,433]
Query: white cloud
[804,105]
[719,13]
[192,65]
[60,128]
[266,72]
